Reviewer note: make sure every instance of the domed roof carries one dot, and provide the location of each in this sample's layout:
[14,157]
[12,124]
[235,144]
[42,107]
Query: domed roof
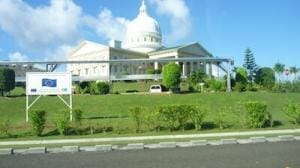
[143,33]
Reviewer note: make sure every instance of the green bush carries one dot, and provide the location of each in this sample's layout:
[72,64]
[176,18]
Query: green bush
[292,110]
[136,114]
[84,87]
[38,120]
[5,128]
[182,114]
[93,88]
[288,86]
[216,85]
[265,77]
[168,117]
[257,115]
[174,116]
[7,80]
[240,87]
[77,116]
[61,122]
[197,114]
[153,120]
[171,76]
[103,88]
[241,75]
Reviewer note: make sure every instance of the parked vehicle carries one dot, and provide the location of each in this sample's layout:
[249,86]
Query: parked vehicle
[155,89]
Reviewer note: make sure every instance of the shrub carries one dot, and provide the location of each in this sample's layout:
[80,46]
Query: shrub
[5,127]
[93,88]
[171,76]
[174,116]
[241,75]
[7,80]
[38,120]
[77,89]
[168,117]
[136,114]
[216,85]
[84,87]
[77,116]
[257,115]
[240,87]
[103,88]
[265,77]
[182,113]
[293,112]
[153,120]
[197,114]
[61,122]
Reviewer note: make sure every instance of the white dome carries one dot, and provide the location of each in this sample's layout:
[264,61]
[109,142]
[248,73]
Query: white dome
[143,33]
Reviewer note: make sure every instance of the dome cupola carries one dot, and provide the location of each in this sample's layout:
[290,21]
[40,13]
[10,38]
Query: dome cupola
[143,33]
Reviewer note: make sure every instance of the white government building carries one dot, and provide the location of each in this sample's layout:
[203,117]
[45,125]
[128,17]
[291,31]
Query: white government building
[143,41]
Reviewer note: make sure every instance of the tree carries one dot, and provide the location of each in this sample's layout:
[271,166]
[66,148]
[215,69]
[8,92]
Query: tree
[241,75]
[7,80]
[279,69]
[250,65]
[171,76]
[294,70]
[241,79]
[266,77]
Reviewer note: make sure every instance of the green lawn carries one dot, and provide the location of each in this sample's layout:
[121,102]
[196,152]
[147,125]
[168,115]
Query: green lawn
[112,110]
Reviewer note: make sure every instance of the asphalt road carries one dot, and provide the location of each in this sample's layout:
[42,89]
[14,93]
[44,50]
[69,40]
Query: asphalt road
[264,155]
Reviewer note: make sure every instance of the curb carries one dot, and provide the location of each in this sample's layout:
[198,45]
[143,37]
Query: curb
[258,139]
[141,146]
[6,151]
[36,150]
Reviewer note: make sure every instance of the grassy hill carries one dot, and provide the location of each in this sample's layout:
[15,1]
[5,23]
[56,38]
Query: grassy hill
[113,109]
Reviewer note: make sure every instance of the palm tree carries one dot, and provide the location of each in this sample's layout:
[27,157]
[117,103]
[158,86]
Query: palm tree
[279,69]
[294,70]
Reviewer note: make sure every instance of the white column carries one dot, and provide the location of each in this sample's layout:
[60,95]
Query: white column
[184,68]
[192,67]
[228,77]
[156,65]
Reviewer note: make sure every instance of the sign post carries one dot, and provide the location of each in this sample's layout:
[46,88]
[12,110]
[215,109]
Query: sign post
[48,83]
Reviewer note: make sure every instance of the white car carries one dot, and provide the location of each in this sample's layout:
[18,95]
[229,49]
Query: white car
[155,89]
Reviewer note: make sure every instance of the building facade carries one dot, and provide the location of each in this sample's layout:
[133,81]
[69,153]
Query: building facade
[143,41]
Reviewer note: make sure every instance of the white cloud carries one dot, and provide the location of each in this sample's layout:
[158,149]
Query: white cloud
[38,27]
[60,53]
[16,56]
[179,15]
[49,31]
[108,26]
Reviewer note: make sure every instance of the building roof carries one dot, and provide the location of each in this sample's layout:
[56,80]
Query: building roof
[181,48]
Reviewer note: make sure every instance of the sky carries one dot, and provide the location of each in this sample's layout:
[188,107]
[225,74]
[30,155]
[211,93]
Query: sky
[49,29]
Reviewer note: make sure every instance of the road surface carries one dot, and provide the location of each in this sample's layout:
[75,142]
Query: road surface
[264,155]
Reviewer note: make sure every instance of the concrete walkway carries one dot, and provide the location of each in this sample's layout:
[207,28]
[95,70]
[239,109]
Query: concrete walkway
[162,137]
